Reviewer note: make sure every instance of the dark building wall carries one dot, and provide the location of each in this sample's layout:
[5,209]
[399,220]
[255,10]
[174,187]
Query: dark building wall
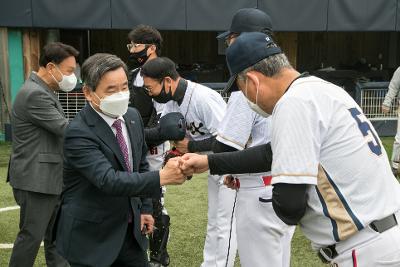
[342,50]
[307,51]
[195,52]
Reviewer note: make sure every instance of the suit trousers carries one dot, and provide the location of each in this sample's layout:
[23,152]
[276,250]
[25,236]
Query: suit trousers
[37,215]
[130,255]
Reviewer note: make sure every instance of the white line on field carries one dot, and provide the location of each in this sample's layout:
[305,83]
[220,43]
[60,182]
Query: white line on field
[7,246]
[9,208]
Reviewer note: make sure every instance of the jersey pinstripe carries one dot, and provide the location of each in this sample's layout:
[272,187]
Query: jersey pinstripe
[320,137]
[242,127]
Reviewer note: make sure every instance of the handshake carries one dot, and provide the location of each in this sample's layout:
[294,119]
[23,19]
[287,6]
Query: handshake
[178,169]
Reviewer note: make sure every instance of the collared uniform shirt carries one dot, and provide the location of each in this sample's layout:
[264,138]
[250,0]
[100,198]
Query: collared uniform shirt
[202,108]
[321,138]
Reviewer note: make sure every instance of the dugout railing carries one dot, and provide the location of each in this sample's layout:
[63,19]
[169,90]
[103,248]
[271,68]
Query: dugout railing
[370,96]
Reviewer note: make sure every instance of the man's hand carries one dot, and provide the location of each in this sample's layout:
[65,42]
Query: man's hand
[182,146]
[231,182]
[171,173]
[148,221]
[385,109]
[193,163]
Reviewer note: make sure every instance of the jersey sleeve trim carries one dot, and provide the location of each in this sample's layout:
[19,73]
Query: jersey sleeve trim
[230,142]
[294,179]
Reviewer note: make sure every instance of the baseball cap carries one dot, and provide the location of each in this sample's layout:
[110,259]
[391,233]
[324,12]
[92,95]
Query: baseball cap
[248,20]
[248,49]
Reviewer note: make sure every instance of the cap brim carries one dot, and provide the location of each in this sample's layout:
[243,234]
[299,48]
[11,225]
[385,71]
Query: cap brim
[223,35]
[231,85]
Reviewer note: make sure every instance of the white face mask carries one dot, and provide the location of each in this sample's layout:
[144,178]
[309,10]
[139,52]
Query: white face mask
[254,106]
[67,83]
[114,105]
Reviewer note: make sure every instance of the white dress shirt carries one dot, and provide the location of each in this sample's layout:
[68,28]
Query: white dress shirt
[109,120]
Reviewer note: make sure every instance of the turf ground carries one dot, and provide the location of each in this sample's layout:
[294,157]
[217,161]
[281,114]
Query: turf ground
[187,206]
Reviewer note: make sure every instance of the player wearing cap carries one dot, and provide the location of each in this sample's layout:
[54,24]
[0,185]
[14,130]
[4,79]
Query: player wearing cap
[331,174]
[203,109]
[256,221]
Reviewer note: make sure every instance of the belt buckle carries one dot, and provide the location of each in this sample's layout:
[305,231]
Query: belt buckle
[327,254]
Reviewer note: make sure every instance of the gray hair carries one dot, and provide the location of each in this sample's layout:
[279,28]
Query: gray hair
[94,68]
[269,66]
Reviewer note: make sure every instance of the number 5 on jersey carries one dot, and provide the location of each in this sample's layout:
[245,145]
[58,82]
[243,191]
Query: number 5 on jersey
[366,131]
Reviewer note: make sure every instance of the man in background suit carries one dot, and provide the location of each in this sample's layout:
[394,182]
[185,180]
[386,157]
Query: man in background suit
[106,203]
[38,123]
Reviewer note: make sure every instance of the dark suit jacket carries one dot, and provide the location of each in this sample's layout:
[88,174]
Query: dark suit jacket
[93,218]
[38,123]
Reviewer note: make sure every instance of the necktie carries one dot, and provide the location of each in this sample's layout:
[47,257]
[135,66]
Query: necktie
[124,149]
[122,143]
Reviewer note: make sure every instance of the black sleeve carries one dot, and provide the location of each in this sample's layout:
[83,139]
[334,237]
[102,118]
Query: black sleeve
[219,147]
[250,160]
[202,145]
[289,202]
[152,136]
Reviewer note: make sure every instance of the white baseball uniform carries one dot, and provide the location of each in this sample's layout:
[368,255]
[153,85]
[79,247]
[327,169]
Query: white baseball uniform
[263,239]
[320,137]
[203,109]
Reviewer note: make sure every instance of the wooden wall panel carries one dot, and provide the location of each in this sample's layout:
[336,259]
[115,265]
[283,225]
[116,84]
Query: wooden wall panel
[289,44]
[31,47]
[4,79]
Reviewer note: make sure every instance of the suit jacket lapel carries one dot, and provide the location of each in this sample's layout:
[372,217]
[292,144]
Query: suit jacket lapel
[130,124]
[104,132]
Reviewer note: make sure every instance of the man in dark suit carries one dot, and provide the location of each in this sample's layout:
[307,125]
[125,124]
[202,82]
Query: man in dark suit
[38,123]
[106,203]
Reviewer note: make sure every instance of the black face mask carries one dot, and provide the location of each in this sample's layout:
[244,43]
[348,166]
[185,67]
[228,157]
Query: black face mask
[139,58]
[163,96]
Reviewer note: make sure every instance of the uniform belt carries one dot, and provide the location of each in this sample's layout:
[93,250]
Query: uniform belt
[384,224]
[254,182]
[327,254]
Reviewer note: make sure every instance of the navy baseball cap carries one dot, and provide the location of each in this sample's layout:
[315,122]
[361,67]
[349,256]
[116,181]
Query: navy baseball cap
[248,49]
[248,20]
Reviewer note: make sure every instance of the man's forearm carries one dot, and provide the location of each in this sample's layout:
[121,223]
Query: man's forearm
[219,147]
[202,145]
[252,160]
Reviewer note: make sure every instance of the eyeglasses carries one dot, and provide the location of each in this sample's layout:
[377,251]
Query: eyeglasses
[228,39]
[149,90]
[134,45]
